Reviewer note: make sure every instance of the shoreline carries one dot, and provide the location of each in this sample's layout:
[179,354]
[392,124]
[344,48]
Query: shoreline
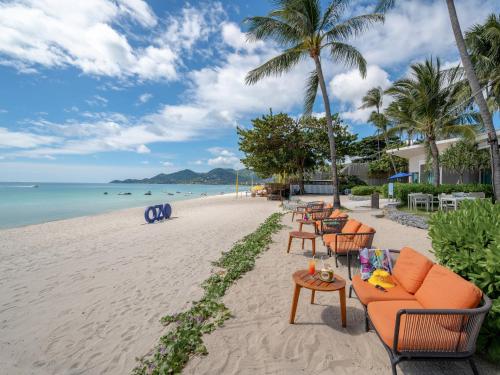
[85,295]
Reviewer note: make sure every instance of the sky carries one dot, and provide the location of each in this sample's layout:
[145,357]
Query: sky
[97,90]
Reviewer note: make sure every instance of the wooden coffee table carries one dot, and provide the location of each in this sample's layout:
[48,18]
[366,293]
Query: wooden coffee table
[302,279]
[303,236]
[303,222]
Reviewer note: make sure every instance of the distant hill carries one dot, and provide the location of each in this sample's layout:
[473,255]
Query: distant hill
[218,176]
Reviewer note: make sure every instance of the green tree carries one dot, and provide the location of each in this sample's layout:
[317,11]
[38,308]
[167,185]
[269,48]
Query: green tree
[462,157]
[431,94]
[374,99]
[384,166]
[302,29]
[277,145]
[317,131]
[475,86]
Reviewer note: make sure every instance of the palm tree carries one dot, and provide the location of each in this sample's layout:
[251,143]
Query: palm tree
[483,42]
[374,98]
[431,94]
[401,114]
[477,92]
[302,29]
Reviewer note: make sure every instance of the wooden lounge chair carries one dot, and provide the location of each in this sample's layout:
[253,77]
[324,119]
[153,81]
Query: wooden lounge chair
[431,314]
[353,237]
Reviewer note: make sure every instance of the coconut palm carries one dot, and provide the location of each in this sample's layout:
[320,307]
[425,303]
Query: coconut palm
[302,29]
[431,95]
[483,42]
[400,113]
[477,92]
[374,99]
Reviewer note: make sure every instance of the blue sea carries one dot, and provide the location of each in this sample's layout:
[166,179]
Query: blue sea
[23,203]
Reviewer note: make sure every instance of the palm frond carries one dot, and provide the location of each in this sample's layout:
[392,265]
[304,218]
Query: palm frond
[276,66]
[348,55]
[352,27]
[311,91]
[333,13]
[261,28]
[384,5]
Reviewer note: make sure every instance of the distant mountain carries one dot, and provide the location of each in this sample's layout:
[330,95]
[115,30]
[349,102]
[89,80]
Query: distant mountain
[218,176]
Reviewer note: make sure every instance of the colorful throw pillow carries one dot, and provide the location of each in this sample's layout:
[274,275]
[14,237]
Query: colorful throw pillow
[374,259]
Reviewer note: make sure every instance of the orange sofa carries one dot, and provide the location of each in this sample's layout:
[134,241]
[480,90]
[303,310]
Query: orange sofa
[353,237]
[431,312]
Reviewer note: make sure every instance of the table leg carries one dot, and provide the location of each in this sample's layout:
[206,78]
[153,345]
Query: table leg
[300,227]
[289,243]
[342,307]
[313,292]
[314,246]
[302,244]
[295,300]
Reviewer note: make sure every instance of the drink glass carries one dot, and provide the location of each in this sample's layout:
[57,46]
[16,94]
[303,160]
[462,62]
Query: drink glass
[312,267]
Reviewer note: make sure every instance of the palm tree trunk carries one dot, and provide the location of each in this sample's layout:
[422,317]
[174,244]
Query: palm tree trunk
[331,137]
[435,161]
[386,139]
[478,97]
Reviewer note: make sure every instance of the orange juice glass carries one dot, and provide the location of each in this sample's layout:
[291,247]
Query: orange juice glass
[312,267]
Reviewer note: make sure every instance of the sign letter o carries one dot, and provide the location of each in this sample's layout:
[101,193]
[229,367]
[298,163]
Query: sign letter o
[147,214]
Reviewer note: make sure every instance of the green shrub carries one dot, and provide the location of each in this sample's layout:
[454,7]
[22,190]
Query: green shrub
[348,182]
[365,190]
[401,190]
[468,242]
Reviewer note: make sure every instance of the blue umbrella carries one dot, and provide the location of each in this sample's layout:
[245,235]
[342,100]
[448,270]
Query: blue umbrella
[399,175]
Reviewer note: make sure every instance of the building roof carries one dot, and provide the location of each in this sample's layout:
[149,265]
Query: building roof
[415,150]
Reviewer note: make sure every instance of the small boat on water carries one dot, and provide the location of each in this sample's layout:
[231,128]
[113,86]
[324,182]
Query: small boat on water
[203,194]
[178,192]
[170,193]
[124,193]
[105,193]
[147,192]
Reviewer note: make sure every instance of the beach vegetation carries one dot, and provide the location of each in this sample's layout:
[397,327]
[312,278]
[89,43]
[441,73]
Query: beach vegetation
[303,30]
[186,329]
[365,190]
[464,156]
[468,242]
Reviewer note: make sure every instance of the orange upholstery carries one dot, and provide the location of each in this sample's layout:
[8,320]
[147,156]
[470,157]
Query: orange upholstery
[330,238]
[337,214]
[363,241]
[411,268]
[423,334]
[367,293]
[444,289]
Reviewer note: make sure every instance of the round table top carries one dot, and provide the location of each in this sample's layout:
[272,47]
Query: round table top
[303,235]
[307,281]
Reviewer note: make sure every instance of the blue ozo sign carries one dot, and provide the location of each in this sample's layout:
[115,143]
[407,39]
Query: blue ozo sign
[157,213]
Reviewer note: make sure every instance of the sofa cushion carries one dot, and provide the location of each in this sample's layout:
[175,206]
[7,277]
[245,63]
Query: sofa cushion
[363,241]
[367,293]
[444,289]
[330,238]
[351,226]
[411,268]
[424,333]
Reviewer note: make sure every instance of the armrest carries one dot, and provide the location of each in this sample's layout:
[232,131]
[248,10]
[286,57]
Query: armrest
[457,329]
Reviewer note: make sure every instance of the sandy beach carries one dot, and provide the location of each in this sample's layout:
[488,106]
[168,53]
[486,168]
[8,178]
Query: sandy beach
[85,295]
[259,339]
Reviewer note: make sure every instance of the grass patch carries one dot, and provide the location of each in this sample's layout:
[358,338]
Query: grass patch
[185,339]
[418,212]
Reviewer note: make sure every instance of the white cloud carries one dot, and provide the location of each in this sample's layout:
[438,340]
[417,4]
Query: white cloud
[12,139]
[416,29]
[167,164]
[235,38]
[350,87]
[142,149]
[146,97]
[97,100]
[88,36]
[223,158]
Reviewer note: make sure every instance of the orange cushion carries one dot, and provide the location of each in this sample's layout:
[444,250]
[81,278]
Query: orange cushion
[330,238]
[351,226]
[444,289]
[423,334]
[343,245]
[367,293]
[363,240]
[411,268]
